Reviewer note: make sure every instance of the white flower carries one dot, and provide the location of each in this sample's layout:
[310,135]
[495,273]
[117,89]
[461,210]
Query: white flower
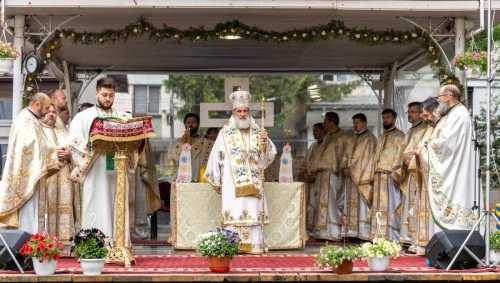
[29,88]
[304,34]
[340,31]
[357,35]
[61,35]
[100,39]
[414,35]
[323,33]
[48,55]
[135,30]
[375,38]
[197,37]
[285,38]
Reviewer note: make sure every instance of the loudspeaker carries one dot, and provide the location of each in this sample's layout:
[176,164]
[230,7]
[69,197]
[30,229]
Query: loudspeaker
[444,245]
[14,240]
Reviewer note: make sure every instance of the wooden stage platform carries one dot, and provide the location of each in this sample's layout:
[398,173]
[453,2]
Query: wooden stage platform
[249,268]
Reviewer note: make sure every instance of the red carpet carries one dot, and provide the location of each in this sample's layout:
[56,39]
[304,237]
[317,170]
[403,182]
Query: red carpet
[247,264]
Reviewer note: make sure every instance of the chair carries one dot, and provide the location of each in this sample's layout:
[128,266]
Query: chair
[164,187]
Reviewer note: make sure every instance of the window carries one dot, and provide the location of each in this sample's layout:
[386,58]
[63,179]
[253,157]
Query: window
[146,100]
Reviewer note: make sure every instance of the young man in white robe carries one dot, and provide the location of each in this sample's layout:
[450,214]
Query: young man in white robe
[241,150]
[96,172]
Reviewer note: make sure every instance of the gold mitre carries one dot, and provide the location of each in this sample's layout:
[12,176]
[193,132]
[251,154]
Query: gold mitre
[240,98]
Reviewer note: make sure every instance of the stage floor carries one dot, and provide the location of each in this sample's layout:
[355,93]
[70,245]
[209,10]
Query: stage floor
[162,264]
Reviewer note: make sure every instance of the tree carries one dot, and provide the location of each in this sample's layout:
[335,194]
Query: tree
[284,91]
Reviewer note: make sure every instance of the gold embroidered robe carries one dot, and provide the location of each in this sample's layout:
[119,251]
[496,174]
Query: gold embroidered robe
[58,193]
[385,195]
[307,173]
[331,196]
[406,181]
[200,152]
[31,158]
[234,166]
[145,198]
[359,158]
[418,166]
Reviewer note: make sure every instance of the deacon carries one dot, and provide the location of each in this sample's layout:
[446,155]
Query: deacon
[327,224]
[240,153]
[451,164]
[57,195]
[357,167]
[402,178]
[31,159]
[307,174]
[418,166]
[386,195]
[95,171]
[200,146]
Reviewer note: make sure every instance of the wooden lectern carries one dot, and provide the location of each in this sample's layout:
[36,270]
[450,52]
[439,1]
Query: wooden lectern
[109,135]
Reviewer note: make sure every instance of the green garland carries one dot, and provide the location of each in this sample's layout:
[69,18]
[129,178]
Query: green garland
[333,30]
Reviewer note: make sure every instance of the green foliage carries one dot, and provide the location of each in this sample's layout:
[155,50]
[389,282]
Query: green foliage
[89,244]
[495,140]
[281,90]
[495,241]
[220,243]
[480,41]
[333,256]
[471,59]
[380,247]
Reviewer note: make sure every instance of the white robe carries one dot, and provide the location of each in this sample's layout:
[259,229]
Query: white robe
[451,172]
[239,213]
[99,185]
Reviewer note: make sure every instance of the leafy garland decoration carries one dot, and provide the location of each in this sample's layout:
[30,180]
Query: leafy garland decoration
[332,30]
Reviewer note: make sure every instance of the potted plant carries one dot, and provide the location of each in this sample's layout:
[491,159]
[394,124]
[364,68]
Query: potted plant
[472,62]
[90,248]
[379,252]
[44,251]
[338,258]
[495,246]
[219,247]
[8,53]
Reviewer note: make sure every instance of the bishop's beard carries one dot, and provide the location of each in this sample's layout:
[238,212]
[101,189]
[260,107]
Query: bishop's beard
[242,124]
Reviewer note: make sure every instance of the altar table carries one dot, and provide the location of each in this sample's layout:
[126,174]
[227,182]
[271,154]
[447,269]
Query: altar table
[196,209]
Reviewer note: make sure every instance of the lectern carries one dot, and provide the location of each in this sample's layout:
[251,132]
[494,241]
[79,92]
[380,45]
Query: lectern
[109,135]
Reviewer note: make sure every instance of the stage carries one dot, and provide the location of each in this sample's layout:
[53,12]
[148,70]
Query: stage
[274,266]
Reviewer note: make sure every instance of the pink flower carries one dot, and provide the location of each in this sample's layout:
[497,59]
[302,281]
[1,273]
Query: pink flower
[475,55]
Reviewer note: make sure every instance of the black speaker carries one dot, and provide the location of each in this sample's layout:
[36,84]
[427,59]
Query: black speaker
[14,239]
[444,245]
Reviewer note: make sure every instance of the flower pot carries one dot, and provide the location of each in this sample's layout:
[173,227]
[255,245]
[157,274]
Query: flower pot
[494,256]
[92,266]
[6,65]
[219,265]
[47,267]
[344,268]
[378,263]
[473,72]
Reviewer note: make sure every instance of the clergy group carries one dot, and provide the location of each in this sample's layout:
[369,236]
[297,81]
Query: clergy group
[401,186]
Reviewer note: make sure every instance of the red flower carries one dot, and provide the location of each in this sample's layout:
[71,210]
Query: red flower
[36,237]
[29,250]
[46,255]
[38,250]
[50,246]
[41,245]
[56,257]
[40,260]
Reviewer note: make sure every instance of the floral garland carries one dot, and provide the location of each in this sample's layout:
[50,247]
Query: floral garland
[332,30]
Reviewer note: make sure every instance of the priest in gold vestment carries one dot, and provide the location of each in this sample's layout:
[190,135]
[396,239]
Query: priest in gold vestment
[357,167]
[424,225]
[386,196]
[201,147]
[327,224]
[31,159]
[307,174]
[234,170]
[405,180]
[58,193]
